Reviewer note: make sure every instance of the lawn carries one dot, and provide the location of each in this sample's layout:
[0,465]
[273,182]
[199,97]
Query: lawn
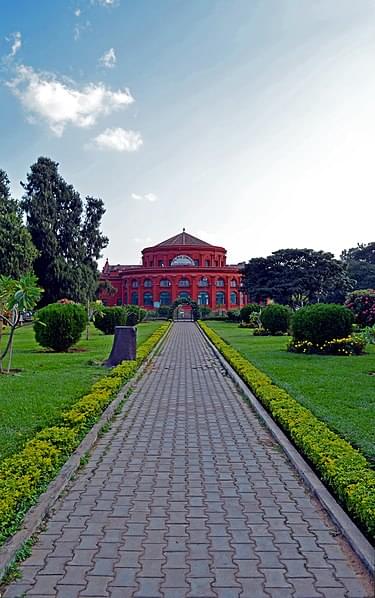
[338,390]
[49,382]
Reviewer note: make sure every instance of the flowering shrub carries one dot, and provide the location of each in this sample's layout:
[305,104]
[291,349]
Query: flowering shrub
[261,332]
[362,304]
[321,322]
[351,345]
[26,474]
[342,467]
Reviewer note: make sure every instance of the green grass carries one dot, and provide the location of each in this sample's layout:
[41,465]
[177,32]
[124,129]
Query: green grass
[49,383]
[338,390]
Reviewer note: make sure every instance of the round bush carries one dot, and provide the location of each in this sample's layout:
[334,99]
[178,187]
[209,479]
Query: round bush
[275,318]
[109,318]
[362,304]
[233,315]
[132,319]
[247,310]
[322,322]
[60,325]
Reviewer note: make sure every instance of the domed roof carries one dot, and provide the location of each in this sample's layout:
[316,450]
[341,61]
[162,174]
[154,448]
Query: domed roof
[183,239]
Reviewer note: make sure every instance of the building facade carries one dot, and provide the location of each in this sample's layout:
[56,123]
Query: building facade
[180,267]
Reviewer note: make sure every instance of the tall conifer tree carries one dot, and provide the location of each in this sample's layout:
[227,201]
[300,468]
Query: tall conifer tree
[17,252]
[67,236]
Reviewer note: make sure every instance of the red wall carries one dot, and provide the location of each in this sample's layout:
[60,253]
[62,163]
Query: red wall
[131,280]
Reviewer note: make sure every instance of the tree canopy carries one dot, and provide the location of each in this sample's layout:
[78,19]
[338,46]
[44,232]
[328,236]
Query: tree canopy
[66,233]
[360,263]
[17,252]
[315,274]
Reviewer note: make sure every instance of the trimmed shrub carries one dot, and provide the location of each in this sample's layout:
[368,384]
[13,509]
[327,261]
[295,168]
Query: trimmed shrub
[60,325]
[26,474]
[135,315]
[353,345]
[247,310]
[260,332]
[276,318]
[163,311]
[233,315]
[342,467]
[322,322]
[132,319]
[362,304]
[205,312]
[109,318]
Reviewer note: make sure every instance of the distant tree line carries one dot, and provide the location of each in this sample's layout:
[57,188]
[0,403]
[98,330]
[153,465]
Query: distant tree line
[51,232]
[298,276]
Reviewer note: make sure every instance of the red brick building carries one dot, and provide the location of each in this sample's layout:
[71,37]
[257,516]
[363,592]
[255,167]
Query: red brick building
[182,266]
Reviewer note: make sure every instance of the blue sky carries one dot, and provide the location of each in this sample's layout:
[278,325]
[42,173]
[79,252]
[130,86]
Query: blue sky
[249,122]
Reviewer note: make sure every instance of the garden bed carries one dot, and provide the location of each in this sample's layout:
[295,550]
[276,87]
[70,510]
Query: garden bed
[344,469]
[337,389]
[49,382]
[26,474]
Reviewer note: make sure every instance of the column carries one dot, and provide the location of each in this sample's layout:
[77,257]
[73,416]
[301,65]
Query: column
[194,292]
[212,292]
[227,292]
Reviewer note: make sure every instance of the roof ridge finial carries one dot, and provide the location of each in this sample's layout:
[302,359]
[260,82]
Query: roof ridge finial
[183,230]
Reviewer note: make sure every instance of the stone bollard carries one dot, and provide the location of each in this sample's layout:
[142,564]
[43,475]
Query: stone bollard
[124,346]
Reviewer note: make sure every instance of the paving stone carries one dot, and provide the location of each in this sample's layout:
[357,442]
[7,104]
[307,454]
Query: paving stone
[96,586]
[187,495]
[254,588]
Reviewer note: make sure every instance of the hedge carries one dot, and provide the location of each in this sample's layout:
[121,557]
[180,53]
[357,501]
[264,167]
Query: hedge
[344,469]
[25,475]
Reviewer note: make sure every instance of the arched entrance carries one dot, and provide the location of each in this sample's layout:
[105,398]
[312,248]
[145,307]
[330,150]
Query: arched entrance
[184,309]
[183,312]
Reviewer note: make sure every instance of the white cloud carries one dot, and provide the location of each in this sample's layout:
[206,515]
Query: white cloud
[107,3]
[119,140]
[16,40]
[80,28]
[151,197]
[77,12]
[142,240]
[108,60]
[60,102]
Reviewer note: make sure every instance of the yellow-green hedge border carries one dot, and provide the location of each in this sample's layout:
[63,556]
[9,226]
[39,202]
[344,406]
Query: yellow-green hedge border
[25,475]
[343,468]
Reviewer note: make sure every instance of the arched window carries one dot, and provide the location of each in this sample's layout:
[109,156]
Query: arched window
[182,260]
[147,283]
[164,282]
[220,298]
[147,300]
[203,298]
[220,282]
[203,282]
[183,282]
[233,283]
[184,295]
[135,284]
[233,298]
[165,298]
[134,298]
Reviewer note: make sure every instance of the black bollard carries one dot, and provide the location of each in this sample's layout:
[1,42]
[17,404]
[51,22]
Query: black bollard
[124,346]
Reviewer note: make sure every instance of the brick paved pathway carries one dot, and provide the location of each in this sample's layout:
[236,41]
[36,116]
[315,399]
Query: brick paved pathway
[188,496]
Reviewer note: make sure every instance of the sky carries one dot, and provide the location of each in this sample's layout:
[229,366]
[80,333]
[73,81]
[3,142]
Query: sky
[251,123]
